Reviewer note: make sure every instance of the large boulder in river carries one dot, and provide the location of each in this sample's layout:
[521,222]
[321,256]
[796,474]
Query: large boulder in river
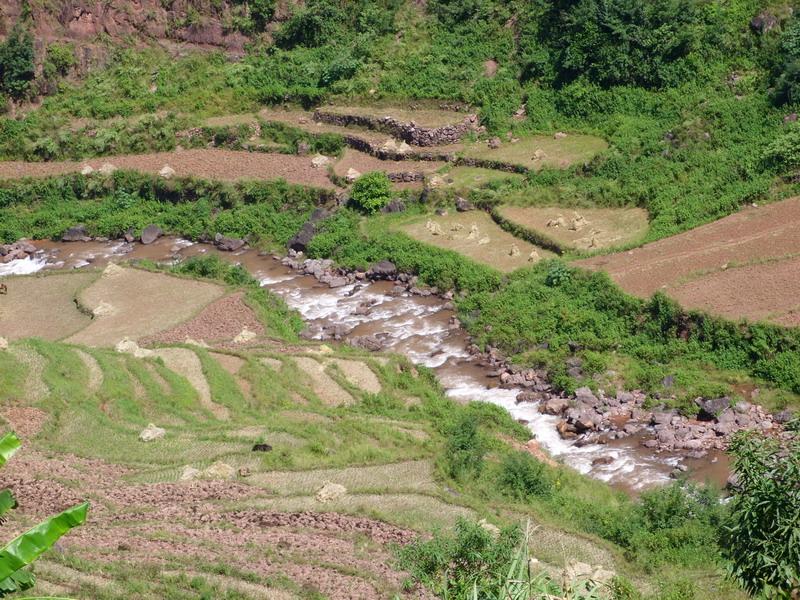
[150,234]
[303,238]
[382,270]
[227,244]
[76,233]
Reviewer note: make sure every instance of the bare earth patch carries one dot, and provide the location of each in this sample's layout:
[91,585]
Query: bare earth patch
[476,236]
[582,228]
[208,163]
[43,306]
[358,374]
[135,304]
[325,388]
[25,421]
[744,265]
[221,320]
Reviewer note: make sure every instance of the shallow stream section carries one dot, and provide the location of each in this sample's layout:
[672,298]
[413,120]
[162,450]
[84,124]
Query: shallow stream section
[415,326]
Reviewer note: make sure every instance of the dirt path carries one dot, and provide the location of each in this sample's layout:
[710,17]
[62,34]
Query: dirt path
[226,165]
[744,265]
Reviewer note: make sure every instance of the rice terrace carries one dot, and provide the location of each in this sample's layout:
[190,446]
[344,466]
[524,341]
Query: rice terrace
[394,299]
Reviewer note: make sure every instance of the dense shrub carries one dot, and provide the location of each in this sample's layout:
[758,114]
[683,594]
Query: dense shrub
[465,448]
[453,565]
[16,62]
[371,192]
[522,476]
[761,537]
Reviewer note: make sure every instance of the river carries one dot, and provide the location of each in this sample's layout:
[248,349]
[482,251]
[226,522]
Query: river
[417,327]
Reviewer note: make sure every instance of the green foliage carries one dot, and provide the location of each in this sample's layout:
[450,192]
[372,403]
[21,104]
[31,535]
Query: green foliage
[59,60]
[762,535]
[522,476]
[452,565]
[16,62]
[783,153]
[371,192]
[787,80]
[465,448]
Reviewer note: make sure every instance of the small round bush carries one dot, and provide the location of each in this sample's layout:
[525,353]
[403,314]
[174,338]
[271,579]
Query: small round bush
[371,192]
[522,476]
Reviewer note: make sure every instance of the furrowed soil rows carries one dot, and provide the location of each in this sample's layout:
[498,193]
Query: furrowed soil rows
[226,165]
[744,265]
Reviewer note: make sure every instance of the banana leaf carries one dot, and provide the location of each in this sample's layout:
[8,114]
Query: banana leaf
[7,502]
[27,547]
[9,444]
[17,582]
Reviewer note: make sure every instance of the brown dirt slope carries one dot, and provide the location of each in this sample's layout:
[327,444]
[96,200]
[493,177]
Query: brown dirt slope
[744,265]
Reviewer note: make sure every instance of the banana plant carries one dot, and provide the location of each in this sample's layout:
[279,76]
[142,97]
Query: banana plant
[26,548]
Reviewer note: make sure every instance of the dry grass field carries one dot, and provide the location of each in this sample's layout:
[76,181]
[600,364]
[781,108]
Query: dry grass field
[581,228]
[133,303]
[538,151]
[476,236]
[43,306]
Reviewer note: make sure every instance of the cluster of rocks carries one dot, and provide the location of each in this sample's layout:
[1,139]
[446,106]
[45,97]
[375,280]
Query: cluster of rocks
[596,418]
[325,272]
[409,132]
[18,250]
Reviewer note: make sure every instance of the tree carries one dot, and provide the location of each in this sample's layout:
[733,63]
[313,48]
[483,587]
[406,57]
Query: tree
[16,62]
[762,535]
[371,192]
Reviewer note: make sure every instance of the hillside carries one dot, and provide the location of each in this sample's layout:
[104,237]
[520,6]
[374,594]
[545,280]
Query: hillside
[510,280]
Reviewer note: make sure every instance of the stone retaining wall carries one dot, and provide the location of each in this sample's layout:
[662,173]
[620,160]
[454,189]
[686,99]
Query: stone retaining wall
[408,132]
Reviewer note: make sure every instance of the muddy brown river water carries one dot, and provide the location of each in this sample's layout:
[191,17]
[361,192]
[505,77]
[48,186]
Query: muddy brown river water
[417,327]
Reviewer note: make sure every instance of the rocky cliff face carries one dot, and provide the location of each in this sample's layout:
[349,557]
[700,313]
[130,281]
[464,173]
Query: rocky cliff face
[204,23]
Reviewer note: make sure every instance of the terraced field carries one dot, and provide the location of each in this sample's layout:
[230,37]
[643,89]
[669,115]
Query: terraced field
[742,266]
[583,228]
[475,235]
[226,165]
[316,511]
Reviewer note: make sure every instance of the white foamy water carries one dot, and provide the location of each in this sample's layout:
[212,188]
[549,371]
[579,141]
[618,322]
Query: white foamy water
[24,266]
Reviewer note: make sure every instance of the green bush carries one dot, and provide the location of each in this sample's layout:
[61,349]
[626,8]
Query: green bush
[522,476]
[16,62]
[452,565]
[371,192]
[761,535]
[465,448]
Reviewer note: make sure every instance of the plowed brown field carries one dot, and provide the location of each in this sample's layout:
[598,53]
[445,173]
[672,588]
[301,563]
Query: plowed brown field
[743,266]
[228,165]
